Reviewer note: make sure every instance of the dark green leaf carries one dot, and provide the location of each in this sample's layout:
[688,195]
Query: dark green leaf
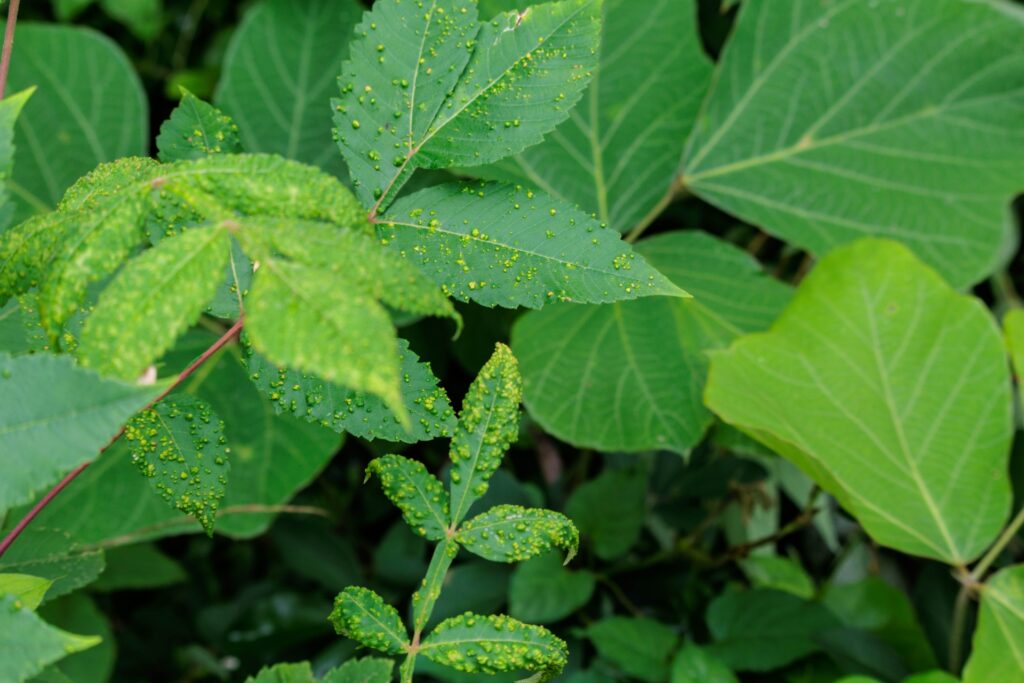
[642,648]
[543,591]
[196,129]
[610,510]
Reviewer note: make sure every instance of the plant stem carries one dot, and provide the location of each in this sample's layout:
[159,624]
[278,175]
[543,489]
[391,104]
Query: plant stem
[408,666]
[959,628]
[52,493]
[424,599]
[5,59]
[978,573]
[1004,290]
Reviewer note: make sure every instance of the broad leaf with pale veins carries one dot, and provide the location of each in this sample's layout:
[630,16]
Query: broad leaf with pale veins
[998,653]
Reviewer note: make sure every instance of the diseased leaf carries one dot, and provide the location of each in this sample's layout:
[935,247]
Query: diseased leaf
[505,245]
[495,644]
[365,670]
[363,616]
[642,648]
[912,131]
[889,389]
[694,665]
[609,511]
[10,109]
[153,300]
[418,494]
[180,447]
[488,424]
[55,416]
[512,533]
[30,644]
[196,129]
[630,376]
[25,252]
[543,591]
[998,653]
[27,590]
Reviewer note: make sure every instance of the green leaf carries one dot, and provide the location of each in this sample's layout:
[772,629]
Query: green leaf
[25,252]
[780,573]
[10,110]
[152,301]
[72,123]
[53,555]
[365,670]
[998,653]
[144,18]
[694,665]
[284,673]
[495,644]
[363,616]
[278,75]
[79,614]
[27,590]
[512,533]
[1013,331]
[642,648]
[196,129]
[610,511]
[335,407]
[618,154]
[505,245]
[543,591]
[852,386]
[179,446]
[629,376]
[55,416]
[761,630]
[488,425]
[138,567]
[932,677]
[30,644]
[915,137]
[417,493]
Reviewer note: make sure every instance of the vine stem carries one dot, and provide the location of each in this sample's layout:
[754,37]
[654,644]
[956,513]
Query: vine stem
[73,474]
[5,59]
[978,573]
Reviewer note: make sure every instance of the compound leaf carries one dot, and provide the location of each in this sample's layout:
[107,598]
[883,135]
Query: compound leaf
[30,644]
[641,647]
[417,493]
[363,616]
[196,129]
[512,533]
[998,653]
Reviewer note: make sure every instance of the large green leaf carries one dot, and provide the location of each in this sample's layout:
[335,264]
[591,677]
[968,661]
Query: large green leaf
[29,644]
[899,118]
[889,389]
[89,107]
[507,245]
[619,152]
[998,653]
[279,73]
[629,376]
[640,647]
[55,416]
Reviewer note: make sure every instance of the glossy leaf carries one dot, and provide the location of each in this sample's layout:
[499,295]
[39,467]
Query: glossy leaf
[30,644]
[363,616]
[505,245]
[889,389]
[196,129]
[998,653]
[915,136]
[610,511]
[543,591]
[27,590]
[511,533]
[418,494]
[642,648]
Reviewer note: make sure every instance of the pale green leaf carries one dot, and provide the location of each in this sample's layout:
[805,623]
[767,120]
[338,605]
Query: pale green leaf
[196,129]
[998,653]
[25,253]
[642,648]
[55,416]
[694,665]
[96,187]
[10,109]
[495,644]
[30,644]
[418,494]
[27,590]
[509,246]
[512,533]
[900,118]
[152,301]
[279,73]
[488,425]
[284,673]
[363,616]
[892,391]
[779,573]
[54,555]
[543,591]
[630,376]
[365,670]
[619,152]
[610,510]
[89,107]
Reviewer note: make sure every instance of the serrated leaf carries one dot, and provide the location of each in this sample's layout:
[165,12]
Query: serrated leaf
[543,590]
[998,653]
[363,616]
[417,493]
[630,376]
[72,123]
[284,673]
[488,425]
[365,670]
[694,665]
[10,109]
[512,533]
[27,590]
[53,555]
[495,644]
[509,246]
[55,416]
[152,301]
[852,387]
[278,75]
[30,644]
[96,187]
[180,447]
[25,252]
[916,136]
[640,647]
[620,150]
[322,322]
[610,511]
[196,129]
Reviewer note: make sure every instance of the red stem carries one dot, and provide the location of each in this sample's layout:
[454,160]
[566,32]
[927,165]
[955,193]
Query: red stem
[52,493]
[5,60]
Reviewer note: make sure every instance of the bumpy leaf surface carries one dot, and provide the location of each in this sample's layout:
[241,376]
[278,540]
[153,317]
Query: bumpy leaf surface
[363,616]
[915,134]
[512,533]
[196,129]
[417,493]
[10,109]
[998,653]
[30,644]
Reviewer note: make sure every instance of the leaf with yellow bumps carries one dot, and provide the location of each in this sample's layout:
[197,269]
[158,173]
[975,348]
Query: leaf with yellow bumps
[488,424]
[363,616]
[512,533]
[495,644]
[180,447]
[196,129]
[25,252]
[417,493]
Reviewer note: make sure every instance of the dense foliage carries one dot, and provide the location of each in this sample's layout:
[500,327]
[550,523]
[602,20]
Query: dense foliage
[278,278]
